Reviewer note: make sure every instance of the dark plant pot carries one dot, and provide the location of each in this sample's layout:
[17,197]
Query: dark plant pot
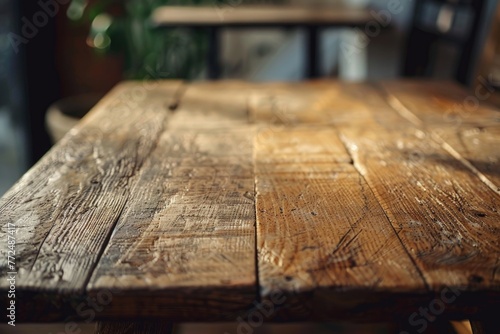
[64,114]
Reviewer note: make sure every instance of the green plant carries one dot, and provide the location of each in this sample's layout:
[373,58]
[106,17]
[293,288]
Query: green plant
[123,26]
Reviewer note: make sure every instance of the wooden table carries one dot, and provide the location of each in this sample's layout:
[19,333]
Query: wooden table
[312,201]
[233,15]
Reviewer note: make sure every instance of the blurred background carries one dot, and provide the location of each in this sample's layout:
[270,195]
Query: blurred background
[58,57]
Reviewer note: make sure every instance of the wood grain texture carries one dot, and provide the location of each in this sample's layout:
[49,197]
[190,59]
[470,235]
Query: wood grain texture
[187,237]
[365,210]
[320,229]
[461,119]
[445,216]
[415,176]
[66,206]
[230,15]
[144,327]
[213,105]
[313,103]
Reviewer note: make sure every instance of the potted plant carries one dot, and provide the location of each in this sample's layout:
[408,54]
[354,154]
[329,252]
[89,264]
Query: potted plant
[124,27]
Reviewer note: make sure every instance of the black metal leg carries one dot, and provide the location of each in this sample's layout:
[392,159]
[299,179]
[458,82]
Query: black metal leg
[486,323]
[313,59]
[213,53]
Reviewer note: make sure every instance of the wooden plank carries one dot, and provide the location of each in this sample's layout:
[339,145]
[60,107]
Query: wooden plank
[469,127]
[211,105]
[442,102]
[321,233]
[445,217]
[144,327]
[228,15]
[186,241]
[66,206]
[361,213]
[306,103]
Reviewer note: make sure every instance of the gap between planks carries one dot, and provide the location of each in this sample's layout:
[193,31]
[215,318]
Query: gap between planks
[205,133]
[170,107]
[323,116]
[360,172]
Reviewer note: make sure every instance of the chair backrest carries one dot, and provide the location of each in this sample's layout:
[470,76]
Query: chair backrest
[453,25]
[489,60]
[487,74]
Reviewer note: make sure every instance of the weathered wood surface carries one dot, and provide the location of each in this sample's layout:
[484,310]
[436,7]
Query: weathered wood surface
[320,228]
[226,14]
[468,126]
[328,200]
[445,217]
[188,234]
[66,206]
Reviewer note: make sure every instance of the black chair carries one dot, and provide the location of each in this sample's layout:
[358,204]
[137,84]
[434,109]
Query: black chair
[458,25]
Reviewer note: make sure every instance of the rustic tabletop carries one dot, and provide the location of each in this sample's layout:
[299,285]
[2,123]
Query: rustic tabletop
[308,201]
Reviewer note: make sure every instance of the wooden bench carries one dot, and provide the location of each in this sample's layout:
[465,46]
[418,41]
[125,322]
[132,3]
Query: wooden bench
[219,201]
[229,15]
